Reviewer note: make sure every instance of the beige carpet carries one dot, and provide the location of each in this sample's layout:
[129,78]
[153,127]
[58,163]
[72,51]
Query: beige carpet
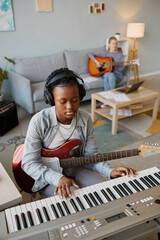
[138,124]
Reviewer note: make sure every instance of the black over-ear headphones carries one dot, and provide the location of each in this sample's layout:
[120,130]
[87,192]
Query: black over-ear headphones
[57,75]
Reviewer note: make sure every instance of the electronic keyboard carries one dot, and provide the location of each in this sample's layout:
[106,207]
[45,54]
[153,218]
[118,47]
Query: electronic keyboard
[93,212]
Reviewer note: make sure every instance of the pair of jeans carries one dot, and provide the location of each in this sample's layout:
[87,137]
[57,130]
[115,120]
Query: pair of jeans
[83,177]
[110,80]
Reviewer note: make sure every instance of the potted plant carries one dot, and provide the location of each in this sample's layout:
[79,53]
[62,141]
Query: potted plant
[4,75]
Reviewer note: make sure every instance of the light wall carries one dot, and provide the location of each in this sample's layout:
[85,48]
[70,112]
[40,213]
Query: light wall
[70,26]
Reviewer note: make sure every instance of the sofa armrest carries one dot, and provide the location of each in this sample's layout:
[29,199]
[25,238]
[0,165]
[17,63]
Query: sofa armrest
[21,91]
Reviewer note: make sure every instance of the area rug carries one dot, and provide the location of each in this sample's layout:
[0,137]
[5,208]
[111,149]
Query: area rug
[136,125]
[107,142]
[139,126]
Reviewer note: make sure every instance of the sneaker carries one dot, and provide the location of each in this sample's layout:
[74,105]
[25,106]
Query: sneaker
[103,106]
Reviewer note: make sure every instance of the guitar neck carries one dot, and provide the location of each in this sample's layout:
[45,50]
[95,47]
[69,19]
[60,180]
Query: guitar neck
[79,161]
[114,63]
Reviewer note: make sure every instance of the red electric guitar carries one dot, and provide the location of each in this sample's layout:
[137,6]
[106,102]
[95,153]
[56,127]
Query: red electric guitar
[26,183]
[107,65]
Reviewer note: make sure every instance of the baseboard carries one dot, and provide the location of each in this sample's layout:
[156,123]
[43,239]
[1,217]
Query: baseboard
[146,75]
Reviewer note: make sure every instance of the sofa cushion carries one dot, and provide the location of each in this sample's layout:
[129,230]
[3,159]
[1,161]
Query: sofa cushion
[78,60]
[92,82]
[37,69]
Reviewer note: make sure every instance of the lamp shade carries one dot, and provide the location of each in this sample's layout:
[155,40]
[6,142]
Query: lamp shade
[135,30]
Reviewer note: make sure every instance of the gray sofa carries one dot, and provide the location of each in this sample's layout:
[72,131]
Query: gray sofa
[28,77]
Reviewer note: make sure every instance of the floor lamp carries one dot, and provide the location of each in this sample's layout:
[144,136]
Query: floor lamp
[135,30]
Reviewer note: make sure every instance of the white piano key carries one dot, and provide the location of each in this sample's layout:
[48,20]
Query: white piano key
[24,210]
[116,182]
[9,220]
[94,189]
[66,200]
[13,213]
[57,199]
[129,184]
[103,186]
[55,207]
[39,206]
[110,184]
[151,172]
[142,174]
[79,193]
[145,187]
[120,180]
[34,207]
[99,187]
[86,191]
[47,203]
[18,210]
[72,210]
[126,180]
[73,197]
[29,208]
[53,201]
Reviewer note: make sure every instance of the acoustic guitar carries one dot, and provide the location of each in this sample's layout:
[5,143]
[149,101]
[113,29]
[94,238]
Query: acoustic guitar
[107,65]
[59,159]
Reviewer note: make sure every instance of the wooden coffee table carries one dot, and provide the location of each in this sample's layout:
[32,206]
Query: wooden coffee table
[148,98]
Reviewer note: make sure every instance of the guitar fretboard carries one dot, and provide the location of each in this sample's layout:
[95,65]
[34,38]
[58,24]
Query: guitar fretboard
[105,64]
[79,161]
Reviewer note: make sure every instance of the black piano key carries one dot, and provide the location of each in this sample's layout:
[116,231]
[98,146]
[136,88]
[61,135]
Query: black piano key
[123,190]
[110,193]
[118,191]
[145,182]
[127,188]
[105,195]
[65,207]
[24,220]
[46,214]
[60,209]
[157,175]
[149,181]
[93,199]
[39,215]
[74,204]
[17,222]
[30,218]
[54,211]
[80,203]
[98,197]
[153,179]
[138,184]
[87,200]
[134,186]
